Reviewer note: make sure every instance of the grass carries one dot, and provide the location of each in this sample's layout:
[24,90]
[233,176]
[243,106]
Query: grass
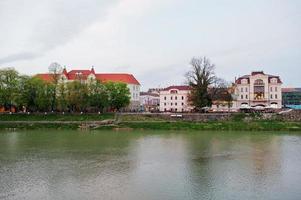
[224,126]
[56,117]
[33,126]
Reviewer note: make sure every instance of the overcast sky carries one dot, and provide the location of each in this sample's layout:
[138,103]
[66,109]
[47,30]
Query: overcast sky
[153,39]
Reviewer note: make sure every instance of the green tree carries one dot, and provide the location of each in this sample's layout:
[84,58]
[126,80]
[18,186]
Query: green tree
[77,95]
[35,94]
[119,95]
[62,99]
[98,96]
[199,79]
[45,92]
[9,80]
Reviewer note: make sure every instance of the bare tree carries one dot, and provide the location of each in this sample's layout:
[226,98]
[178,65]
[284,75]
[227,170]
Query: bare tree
[55,70]
[221,93]
[199,79]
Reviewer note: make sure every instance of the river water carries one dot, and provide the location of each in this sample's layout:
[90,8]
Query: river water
[150,165]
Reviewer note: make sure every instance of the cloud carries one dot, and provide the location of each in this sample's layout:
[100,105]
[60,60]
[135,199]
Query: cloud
[153,39]
[40,26]
[18,57]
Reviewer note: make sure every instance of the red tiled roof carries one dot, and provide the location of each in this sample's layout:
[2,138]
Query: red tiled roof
[45,77]
[74,74]
[124,78]
[178,87]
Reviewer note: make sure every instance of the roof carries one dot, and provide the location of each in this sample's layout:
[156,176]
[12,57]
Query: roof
[45,77]
[178,87]
[149,94]
[83,74]
[123,78]
[286,90]
[257,72]
[238,81]
[74,74]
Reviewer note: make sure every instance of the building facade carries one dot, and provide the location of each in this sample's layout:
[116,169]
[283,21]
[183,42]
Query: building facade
[175,99]
[258,90]
[291,97]
[149,101]
[87,76]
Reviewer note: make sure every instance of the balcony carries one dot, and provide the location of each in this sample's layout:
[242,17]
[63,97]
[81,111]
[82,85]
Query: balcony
[260,100]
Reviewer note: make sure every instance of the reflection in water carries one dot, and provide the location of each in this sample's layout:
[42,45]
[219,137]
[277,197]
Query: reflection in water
[149,165]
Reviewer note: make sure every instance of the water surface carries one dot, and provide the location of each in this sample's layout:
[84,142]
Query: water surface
[149,165]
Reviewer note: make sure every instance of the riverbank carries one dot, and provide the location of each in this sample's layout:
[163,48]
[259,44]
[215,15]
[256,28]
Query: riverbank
[223,126]
[130,121]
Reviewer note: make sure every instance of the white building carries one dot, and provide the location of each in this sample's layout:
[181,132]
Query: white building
[149,101]
[258,90]
[175,99]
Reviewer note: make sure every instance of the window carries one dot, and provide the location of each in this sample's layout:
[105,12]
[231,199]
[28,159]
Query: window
[164,104]
[176,97]
[171,104]
[276,89]
[242,96]
[276,96]
[246,89]
[271,89]
[271,96]
[182,104]
[241,89]
[164,109]
[259,89]
[176,109]
[164,98]
[171,98]
[258,82]
[182,97]
[244,81]
[246,96]
[176,104]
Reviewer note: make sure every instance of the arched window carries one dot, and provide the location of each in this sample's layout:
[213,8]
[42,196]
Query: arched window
[259,89]
[258,82]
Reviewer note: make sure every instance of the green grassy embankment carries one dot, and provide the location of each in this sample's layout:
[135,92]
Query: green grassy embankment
[223,126]
[73,121]
[56,117]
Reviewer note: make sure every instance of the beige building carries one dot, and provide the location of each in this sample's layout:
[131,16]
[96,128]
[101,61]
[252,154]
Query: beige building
[90,75]
[258,90]
[175,99]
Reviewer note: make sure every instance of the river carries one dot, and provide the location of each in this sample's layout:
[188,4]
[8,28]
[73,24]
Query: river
[149,165]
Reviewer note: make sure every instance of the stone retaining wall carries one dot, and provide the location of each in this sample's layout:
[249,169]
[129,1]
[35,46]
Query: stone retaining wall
[294,116]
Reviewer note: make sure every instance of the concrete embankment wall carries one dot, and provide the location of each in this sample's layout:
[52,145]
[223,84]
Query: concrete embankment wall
[197,117]
[293,116]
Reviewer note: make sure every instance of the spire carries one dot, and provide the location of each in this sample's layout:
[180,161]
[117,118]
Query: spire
[92,70]
[64,70]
